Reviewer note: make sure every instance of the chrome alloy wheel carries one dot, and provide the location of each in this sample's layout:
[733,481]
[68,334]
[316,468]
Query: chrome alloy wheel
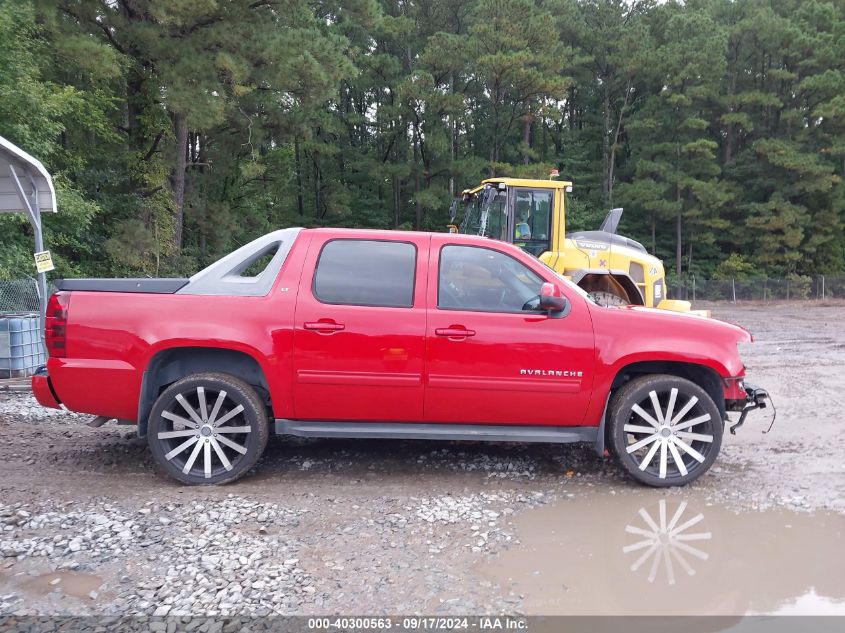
[215,426]
[669,437]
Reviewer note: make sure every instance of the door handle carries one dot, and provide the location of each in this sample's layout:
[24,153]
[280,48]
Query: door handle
[454,332]
[324,326]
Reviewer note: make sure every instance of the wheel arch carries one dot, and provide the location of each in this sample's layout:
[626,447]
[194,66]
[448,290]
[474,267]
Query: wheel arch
[592,279]
[705,377]
[171,364]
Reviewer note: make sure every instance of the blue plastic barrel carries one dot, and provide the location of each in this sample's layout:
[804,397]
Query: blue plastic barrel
[21,352]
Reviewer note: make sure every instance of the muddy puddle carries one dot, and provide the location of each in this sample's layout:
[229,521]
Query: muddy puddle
[672,554]
[75,584]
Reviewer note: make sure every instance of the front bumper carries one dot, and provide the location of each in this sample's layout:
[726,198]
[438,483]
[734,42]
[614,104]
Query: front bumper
[43,390]
[755,398]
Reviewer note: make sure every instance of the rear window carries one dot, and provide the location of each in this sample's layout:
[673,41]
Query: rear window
[366,273]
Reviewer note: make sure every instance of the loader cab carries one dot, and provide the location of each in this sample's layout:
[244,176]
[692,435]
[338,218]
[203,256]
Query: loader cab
[529,214]
[532,215]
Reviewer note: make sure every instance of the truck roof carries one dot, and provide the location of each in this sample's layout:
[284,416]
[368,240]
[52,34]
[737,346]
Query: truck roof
[392,234]
[225,276]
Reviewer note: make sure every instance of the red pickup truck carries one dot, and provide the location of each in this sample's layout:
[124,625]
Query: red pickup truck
[384,334]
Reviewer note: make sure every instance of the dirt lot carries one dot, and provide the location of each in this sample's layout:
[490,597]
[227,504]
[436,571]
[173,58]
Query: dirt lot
[387,527]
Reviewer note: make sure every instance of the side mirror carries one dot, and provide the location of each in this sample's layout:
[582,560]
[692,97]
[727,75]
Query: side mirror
[551,299]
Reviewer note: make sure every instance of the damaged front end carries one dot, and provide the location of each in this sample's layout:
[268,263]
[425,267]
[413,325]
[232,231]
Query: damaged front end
[755,398]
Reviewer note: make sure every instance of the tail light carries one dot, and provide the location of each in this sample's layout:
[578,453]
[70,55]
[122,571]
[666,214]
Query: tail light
[55,326]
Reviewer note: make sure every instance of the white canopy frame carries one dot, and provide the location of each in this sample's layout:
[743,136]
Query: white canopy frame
[27,187]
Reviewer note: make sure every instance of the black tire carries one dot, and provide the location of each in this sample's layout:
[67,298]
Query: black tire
[221,432]
[611,298]
[606,290]
[681,439]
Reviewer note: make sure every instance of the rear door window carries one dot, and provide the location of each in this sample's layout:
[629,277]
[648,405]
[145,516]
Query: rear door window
[366,273]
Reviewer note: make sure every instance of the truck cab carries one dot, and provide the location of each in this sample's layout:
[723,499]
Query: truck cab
[531,214]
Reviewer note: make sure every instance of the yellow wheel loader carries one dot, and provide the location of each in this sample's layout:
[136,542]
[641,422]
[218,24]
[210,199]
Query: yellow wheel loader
[616,270]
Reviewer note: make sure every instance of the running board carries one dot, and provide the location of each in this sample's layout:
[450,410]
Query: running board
[413,431]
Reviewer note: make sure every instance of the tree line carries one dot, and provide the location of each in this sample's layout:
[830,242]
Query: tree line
[179,130]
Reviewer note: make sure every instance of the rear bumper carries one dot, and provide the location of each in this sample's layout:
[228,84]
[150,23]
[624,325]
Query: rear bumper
[43,390]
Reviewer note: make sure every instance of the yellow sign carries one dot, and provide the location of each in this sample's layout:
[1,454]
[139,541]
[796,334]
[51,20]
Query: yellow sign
[44,262]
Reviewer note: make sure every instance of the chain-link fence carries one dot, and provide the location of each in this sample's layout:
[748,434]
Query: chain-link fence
[19,296]
[789,289]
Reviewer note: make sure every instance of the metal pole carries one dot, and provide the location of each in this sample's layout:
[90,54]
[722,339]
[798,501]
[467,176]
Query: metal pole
[42,277]
[822,287]
[733,288]
[42,285]
[34,213]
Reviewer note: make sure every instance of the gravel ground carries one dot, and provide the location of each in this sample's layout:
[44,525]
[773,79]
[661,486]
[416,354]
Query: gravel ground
[88,526]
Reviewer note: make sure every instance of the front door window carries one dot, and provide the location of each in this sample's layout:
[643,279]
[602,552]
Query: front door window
[484,280]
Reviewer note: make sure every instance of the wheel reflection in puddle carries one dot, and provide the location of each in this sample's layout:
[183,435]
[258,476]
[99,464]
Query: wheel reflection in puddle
[668,540]
[685,553]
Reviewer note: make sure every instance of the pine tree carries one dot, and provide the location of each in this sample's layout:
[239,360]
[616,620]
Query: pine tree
[675,170]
